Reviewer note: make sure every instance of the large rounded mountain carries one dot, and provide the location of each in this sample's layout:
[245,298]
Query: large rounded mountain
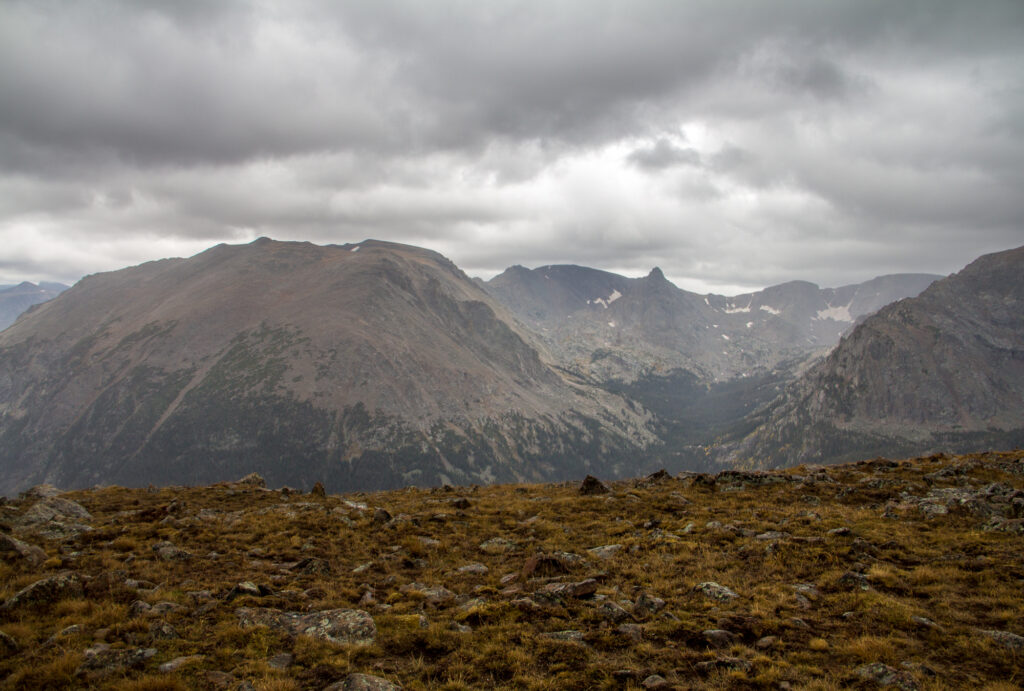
[365,366]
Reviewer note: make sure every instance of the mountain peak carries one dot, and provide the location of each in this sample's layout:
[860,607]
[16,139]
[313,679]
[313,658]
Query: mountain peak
[657,274]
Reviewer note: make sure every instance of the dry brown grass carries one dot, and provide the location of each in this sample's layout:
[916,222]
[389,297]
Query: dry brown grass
[945,568]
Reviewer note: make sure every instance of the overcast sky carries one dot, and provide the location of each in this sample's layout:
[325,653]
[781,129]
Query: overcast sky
[733,144]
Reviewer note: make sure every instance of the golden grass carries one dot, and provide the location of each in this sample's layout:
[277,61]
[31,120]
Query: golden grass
[946,569]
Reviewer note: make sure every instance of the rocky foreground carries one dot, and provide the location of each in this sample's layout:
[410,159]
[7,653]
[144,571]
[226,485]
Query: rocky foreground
[880,574]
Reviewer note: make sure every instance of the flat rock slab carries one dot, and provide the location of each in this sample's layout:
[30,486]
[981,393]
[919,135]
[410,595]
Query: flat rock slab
[342,626]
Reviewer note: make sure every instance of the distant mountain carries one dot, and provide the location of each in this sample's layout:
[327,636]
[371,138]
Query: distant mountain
[612,328]
[14,300]
[942,371]
[364,366]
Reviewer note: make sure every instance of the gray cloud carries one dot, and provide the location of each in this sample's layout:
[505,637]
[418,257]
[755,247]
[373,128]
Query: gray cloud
[734,144]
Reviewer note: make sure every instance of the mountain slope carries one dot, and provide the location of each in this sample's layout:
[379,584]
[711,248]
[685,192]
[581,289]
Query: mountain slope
[611,328]
[14,300]
[370,365]
[944,370]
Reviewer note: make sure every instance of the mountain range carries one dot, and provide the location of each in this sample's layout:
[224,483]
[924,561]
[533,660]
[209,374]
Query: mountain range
[377,365]
[16,299]
[941,372]
[363,366]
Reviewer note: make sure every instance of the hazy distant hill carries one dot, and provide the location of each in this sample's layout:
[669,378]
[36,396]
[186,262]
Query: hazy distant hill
[609,327]
[942,371]
[370,365]
[14,300]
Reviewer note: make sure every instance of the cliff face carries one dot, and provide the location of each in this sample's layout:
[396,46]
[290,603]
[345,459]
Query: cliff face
[370,365]
[943,370]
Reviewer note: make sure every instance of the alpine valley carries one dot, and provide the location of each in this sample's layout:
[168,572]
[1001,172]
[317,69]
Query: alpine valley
[377,365]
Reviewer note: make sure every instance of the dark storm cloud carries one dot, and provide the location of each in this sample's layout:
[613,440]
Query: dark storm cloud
[734,143]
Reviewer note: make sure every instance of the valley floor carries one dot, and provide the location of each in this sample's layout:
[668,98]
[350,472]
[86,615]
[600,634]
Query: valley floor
[897,574]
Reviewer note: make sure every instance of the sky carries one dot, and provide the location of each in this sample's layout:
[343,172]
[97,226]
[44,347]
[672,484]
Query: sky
[735,144]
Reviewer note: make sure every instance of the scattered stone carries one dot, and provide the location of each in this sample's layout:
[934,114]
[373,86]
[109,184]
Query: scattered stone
[1005,639]
[13,549]
[281,660]
[139,608]
[551,564]
[719,638]
[313,566]
[612,611]
[767,643]
[526,605]
[47,591]
[714,591]
[318,490]
[591,485]
[460,503]
[634,632]
[854,579]
[655,682]
[179,662]
[102,659]
[840,532]
[434,596]
[568,635]
[497,545]
[724,663]
[886,676]
[772,535]
[343,626]
[646,605]
[381,515]
[222,681]
[363,682]
[924,622]
[605,551]
[473,569]
[161,630]
[169,552]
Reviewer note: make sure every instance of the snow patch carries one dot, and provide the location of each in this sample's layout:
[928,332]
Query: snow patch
[611,324]
[731,309]
[354,249]
[770,310]
[706,302]
[839,314]
[750,325]
[725,336]
[604,302]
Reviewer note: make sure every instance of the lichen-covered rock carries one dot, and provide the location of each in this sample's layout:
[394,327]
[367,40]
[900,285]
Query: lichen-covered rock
[14,550]
[1005,638]
[343,626]
[101,659]
[55,508]
[605,551]
[885,676]
[714,591]
[47,591]
[363,682]
[497,545]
